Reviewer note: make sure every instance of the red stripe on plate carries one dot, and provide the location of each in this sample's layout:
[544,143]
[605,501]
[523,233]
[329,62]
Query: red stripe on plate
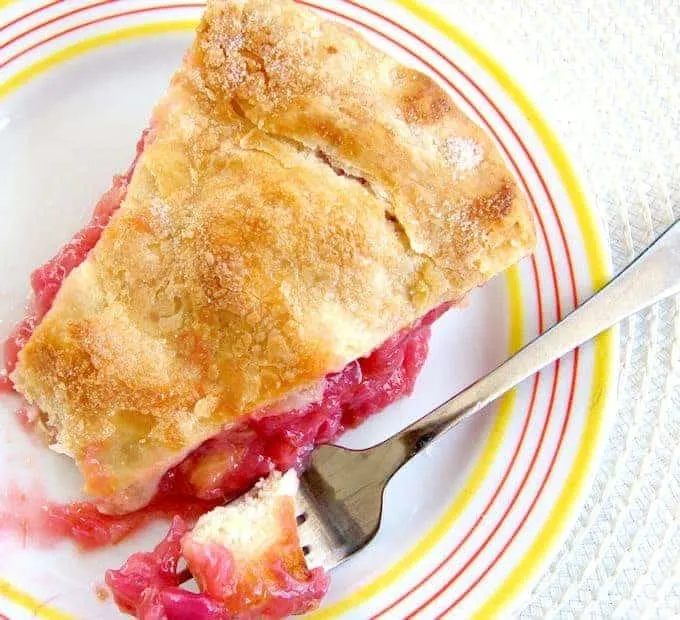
[96,20]
[39,9]
[509,507]
[509,468]
[57,18]
[535,500]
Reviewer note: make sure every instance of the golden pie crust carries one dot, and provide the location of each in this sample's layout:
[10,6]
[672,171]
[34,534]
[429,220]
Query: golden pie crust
[302,197]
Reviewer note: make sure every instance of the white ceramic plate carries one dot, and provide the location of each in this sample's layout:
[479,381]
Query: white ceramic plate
[468,527]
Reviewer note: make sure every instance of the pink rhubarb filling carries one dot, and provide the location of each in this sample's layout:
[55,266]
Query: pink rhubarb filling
[148,585]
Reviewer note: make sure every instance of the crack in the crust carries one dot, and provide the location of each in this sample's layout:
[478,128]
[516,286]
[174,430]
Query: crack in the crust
[399,230]
[301,147]
[324,158]
[390,216]
[238,110]
[253,57]
[296,144]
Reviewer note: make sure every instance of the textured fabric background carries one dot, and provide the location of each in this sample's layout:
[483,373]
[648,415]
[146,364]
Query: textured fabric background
[606,75]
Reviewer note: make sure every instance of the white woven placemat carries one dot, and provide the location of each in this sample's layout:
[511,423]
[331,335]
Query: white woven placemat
[606,75]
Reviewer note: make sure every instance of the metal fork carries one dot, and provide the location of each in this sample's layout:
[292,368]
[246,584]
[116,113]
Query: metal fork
[341,494]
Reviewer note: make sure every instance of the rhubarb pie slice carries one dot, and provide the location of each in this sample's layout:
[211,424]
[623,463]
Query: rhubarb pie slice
[241,571]
[301,206]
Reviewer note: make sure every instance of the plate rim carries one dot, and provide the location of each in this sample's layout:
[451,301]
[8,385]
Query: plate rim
[604,372]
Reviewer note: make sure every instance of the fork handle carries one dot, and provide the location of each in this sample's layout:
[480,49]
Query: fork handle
[653,276]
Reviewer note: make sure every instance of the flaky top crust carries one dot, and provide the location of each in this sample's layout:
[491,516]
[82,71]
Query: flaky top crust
[302,197]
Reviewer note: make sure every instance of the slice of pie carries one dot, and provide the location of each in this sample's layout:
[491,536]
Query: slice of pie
[301,201]
[242,571]
[262,568]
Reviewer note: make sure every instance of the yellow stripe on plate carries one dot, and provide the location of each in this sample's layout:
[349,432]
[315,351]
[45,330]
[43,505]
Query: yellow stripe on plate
[37,608]
[80,48]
